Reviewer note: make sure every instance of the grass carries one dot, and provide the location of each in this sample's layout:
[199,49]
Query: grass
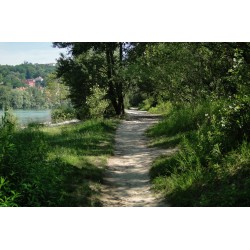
[84,147]
[207,170]
[55,166]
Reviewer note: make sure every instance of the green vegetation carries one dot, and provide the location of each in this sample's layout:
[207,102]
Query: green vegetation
[90,66]
[63,113]
[29,98]
[212,165]
[59,166]
[14,76]
[202,89]
[15,93]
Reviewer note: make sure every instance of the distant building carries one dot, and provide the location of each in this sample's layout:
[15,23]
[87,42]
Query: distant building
[30,82]
[38,79]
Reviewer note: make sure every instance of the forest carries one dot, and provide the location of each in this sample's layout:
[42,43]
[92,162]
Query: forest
[16,94]
[202,92]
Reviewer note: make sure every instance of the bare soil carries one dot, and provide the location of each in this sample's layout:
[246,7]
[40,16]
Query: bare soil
[126,182]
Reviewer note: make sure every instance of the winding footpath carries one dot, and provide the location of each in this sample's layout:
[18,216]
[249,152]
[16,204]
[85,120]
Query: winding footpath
[126,183]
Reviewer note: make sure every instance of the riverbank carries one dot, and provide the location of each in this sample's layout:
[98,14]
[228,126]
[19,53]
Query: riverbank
[62,123]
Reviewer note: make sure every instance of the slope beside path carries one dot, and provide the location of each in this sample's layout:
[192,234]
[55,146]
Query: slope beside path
[126,180]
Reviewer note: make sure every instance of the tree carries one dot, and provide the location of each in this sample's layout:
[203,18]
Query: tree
[16,99]
[56,92]
[90,64]
[27,75]
[5,97]
[26,100]
[184,72]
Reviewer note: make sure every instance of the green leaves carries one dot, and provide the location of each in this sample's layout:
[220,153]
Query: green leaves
[8,196]
[97,102]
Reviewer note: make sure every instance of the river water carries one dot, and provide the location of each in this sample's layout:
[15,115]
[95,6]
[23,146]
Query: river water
[27,116]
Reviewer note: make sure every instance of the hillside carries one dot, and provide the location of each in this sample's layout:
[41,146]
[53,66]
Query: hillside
[28,86]
[15,76]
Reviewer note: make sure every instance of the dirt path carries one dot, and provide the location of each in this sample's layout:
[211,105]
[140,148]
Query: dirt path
[127,181]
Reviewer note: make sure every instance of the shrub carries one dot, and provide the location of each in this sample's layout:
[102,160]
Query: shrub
[161,108]
[147,104]
[8,196]
[184,119]
[97,102]
[235,119]
[212,165]
[63,114]
[9,121]
[27,177]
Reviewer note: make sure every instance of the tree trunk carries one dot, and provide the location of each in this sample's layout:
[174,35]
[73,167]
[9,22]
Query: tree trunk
[111,90]
[121,96]
[115,89]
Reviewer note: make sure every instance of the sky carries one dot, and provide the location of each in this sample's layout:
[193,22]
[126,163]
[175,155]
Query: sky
[14,53]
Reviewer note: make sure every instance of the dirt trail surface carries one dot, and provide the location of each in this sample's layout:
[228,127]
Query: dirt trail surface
[127,181]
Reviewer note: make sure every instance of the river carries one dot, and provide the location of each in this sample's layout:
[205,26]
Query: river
[27,116]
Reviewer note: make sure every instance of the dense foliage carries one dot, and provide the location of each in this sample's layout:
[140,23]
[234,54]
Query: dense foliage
[30,98]
[90,66]
[63,113]
[17,94]
[209,119]
[14,76]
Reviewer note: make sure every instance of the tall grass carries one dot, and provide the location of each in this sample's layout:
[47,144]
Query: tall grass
[184,119]
[54,166]
[212,165]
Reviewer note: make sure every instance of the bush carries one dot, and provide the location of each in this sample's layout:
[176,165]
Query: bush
[235,119]
[27,178]
[212,165]
[162,108]
[184,119]
[8,196]
[147,104]
[97,102]
[24,163]
[63,114]
[9,121]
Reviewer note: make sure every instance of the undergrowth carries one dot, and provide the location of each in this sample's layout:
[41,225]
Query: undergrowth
[54,166]
[212,165]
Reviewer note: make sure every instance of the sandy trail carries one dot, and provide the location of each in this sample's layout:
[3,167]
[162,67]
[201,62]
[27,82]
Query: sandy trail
[126,180]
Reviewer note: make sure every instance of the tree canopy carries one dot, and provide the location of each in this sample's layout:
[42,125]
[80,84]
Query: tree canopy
[178,72]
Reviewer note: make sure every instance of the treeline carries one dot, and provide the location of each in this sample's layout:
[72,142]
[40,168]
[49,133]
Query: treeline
[30,98]
[15,93]
[14,76]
